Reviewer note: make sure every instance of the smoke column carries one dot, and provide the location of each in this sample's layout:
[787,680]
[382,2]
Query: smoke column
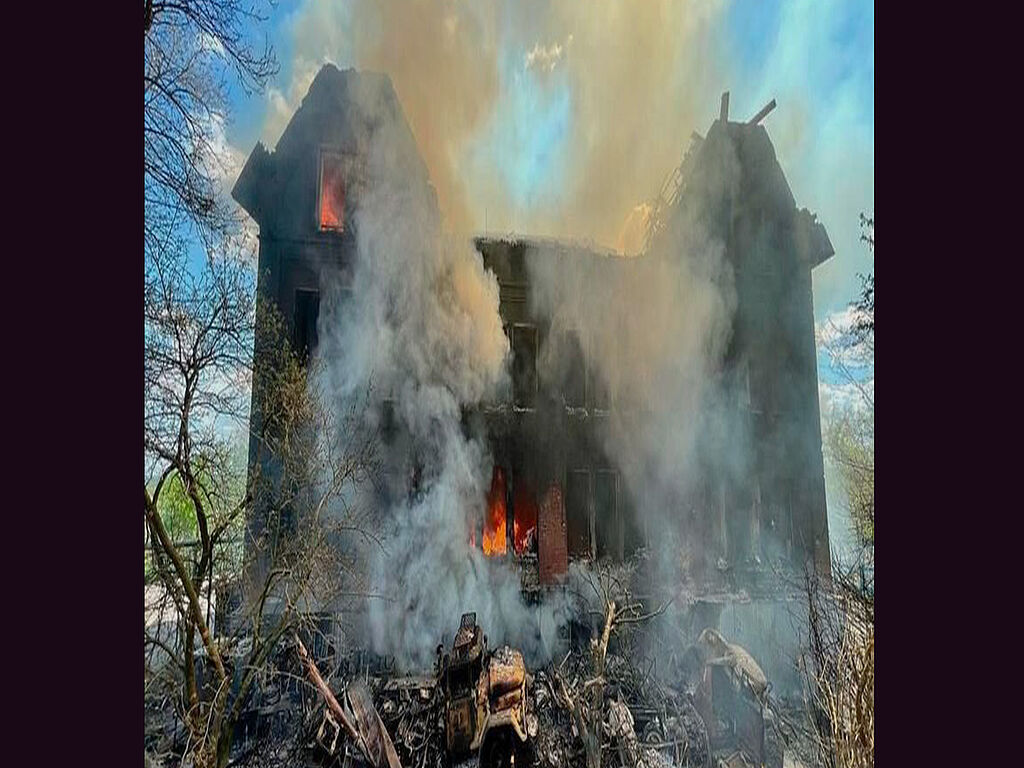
[656,334]
[421,322]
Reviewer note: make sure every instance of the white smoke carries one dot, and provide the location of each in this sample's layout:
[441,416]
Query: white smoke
[656,329]
[421,322]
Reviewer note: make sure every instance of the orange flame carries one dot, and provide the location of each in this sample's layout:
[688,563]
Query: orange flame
[494,523]
[332,194]
[524,525]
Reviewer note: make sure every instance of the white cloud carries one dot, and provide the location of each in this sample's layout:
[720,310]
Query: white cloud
[224,164]
[846,370]
[546,58]
[211,43]
[833,336]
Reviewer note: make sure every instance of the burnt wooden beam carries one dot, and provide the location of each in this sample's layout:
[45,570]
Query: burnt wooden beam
[368,732]
[321,685]
[763,113]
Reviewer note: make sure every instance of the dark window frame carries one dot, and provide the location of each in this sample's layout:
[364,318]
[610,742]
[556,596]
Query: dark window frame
[530,402]
[617,532]
[305,341]
[588,512]
[578,350]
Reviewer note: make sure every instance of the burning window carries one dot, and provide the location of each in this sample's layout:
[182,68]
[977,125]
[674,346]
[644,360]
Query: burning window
[524,365]
[332,192]
[607,525]
[307,310]
[577,512]
[494,538]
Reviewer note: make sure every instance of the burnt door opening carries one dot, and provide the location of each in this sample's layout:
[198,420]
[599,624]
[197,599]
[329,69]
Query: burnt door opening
[634,531]
[577,513]
[739,505]
[307,311]
[524,515]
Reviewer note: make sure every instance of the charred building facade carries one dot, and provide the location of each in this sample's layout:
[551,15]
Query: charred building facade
[557,492]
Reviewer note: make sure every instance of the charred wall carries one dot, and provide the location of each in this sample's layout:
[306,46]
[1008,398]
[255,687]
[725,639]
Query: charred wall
[775,502]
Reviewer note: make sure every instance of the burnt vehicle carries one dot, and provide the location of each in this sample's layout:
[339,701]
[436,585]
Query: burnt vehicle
[486,720]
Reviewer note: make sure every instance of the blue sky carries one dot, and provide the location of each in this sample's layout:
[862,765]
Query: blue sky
[525,142]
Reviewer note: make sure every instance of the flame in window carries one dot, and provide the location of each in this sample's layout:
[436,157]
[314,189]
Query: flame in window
[332,193]
[494,523]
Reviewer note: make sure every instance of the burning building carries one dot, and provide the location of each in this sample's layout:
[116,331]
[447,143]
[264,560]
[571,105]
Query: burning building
[569,434]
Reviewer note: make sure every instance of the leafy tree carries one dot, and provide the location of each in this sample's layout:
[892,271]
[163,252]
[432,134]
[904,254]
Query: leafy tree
[850,442]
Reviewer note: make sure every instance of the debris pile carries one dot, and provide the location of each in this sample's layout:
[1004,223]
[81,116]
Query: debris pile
[642,722]
[599,706]
[412,709]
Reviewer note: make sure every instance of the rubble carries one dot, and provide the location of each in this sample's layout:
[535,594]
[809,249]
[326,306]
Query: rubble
[361,721]
[646,723]
[714,710]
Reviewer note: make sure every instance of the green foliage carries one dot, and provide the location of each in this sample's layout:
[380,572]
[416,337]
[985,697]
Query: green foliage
[179,514]
[850,443]
[177,511]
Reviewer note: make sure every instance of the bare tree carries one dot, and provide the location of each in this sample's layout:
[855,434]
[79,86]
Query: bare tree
[199,334]
[192,47]
[865,304]
[839,667]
